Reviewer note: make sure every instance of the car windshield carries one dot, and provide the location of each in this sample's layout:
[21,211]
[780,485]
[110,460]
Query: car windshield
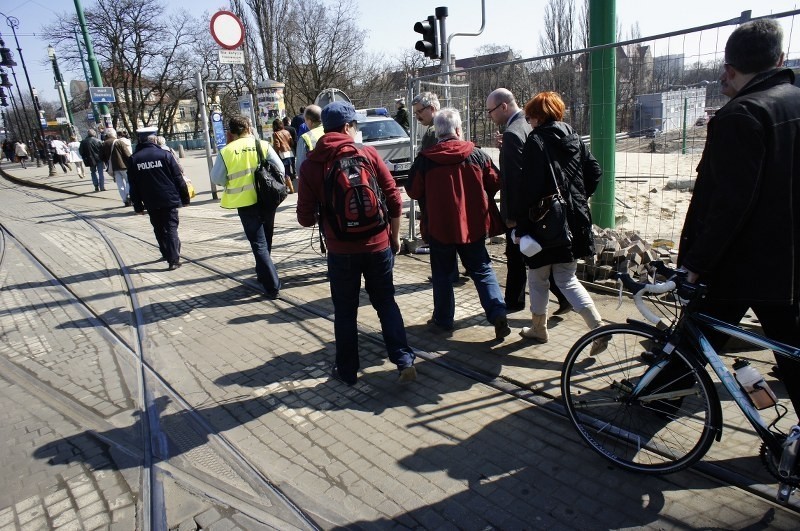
[381,130]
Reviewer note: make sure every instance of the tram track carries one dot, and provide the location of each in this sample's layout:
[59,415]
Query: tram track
[506,386]
[154,443]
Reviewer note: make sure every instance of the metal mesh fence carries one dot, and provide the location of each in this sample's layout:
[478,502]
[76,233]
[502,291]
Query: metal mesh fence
[666,90]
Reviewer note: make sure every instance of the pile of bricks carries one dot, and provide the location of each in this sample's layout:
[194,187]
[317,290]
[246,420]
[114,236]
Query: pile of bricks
[623,251]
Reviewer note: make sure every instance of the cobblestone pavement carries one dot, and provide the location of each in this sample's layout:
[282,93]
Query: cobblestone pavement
[446,452]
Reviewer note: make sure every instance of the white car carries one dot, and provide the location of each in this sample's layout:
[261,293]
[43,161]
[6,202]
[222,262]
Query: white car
[389,139]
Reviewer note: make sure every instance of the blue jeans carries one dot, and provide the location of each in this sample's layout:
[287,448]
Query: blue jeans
[259,231]
[344,274]
[98,182]
[476,260]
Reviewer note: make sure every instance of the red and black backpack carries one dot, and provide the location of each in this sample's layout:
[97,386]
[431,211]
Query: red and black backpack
[355,207]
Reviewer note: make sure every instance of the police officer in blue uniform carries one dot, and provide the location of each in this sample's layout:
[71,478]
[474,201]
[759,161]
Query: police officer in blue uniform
[157,184]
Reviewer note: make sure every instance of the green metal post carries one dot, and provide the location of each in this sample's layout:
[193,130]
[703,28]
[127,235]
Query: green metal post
[603,101]
[95,110]
[97,78]
[62,89]
[685,110]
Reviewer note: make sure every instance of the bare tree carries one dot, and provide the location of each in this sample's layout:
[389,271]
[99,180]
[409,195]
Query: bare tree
[563,31]
[324,47]
[269,16]
[145,54]
[559,25]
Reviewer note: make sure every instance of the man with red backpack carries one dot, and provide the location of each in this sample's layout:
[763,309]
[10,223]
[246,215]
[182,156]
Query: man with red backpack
[349,191]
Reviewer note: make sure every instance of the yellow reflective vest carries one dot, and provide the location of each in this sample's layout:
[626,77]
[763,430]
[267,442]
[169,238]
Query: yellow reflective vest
[241,161]
[311,137]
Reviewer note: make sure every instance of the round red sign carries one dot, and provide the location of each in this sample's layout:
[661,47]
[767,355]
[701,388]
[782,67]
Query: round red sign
[227,29]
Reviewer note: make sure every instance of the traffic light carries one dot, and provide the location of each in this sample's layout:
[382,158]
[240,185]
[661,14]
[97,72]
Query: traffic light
[429,45]
[3,98]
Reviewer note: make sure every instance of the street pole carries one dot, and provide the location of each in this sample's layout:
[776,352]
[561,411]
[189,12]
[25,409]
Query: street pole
[62,93]
[20,129]
[26,121]
[95,110]
[201,102]
[13,23]
[10,63]
[441,15]
[603,101]
[97,79]
[685,110]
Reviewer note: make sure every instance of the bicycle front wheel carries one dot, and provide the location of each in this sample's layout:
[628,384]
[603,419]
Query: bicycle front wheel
[665,426]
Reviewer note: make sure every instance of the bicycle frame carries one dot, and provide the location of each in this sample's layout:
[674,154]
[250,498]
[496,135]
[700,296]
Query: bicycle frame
[689,323]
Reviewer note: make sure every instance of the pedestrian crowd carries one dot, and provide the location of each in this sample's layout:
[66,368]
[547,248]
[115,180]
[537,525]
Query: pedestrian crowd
[546,176]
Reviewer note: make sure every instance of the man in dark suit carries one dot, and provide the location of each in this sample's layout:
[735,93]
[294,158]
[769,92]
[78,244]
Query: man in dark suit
[503,110]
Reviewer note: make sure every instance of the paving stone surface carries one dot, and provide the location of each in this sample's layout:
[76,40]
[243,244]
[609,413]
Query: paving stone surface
[445,452]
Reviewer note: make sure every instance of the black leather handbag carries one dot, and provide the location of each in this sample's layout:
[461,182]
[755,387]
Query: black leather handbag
[270,186]
[549,216]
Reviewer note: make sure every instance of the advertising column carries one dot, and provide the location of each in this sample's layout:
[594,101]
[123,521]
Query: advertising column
[271,104]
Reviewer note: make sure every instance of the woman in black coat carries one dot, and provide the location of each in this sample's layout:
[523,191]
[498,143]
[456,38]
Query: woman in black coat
[553,153]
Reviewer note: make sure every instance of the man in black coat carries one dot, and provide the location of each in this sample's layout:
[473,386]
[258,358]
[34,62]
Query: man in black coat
[156,184]
[741,236]
[91,151]
[502,108]
[298,121]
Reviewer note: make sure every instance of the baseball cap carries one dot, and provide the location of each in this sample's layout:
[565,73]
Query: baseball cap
[338,113]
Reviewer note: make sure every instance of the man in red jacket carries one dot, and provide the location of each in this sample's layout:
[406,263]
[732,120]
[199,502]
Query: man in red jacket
[348,260]
[457,180]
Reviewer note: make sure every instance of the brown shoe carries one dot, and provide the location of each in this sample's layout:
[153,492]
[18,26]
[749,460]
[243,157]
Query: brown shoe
[407,375]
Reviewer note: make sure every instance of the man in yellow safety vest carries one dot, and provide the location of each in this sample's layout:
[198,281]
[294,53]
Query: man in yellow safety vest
[234,169]
[308,141]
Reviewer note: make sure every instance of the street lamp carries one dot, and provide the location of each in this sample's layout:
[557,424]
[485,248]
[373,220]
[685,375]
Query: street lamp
[62,93]
[13,23]
[7,61]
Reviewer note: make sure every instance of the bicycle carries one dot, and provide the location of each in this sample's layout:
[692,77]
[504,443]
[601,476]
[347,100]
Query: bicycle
[647,402]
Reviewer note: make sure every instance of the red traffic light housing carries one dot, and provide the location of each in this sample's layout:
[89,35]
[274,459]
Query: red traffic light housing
[429,45]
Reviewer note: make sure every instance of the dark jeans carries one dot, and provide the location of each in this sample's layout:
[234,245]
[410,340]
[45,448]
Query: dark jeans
[344,273]
[288,167]
[476,260]
[165,227]
[98,180]
[258,230]
[62,160]
[779,323]
[517,275]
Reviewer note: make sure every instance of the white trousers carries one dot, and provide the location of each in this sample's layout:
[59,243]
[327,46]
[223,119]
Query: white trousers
[121,178]
[567,282]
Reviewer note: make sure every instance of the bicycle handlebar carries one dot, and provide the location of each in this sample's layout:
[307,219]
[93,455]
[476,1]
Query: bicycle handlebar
[675,280]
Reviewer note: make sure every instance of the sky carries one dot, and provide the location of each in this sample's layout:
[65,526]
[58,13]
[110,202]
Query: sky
[516,23]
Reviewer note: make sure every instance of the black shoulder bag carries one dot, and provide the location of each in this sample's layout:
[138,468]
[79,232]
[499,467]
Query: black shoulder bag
[270,186]
[549,216]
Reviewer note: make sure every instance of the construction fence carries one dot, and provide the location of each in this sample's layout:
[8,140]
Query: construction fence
[667,88]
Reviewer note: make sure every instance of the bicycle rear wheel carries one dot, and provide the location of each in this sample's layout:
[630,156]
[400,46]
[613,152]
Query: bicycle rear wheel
[667,427]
